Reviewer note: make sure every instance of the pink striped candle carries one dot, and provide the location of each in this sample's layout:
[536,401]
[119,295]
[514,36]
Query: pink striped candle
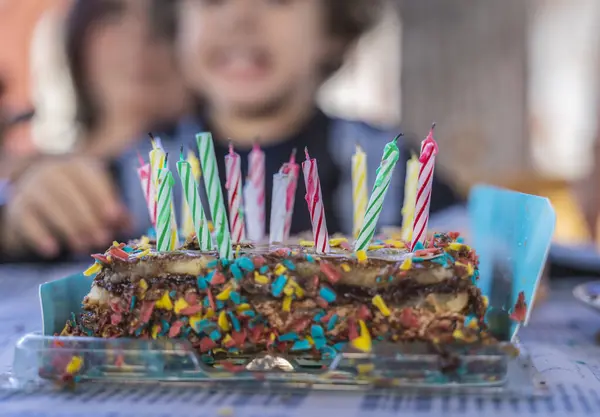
[314,199]
[429,150]
[292,169]
[145,175]
[256,194]
[233,172]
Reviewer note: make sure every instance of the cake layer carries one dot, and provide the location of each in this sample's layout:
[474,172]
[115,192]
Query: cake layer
[287,300]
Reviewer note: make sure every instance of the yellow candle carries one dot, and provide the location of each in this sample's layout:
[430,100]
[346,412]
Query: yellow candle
[410,197]
[359,189]
[187,225]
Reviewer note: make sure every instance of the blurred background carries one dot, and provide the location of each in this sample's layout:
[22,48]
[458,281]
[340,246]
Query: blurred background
[512,84]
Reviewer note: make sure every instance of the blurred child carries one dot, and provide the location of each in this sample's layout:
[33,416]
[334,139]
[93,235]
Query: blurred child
[254,67]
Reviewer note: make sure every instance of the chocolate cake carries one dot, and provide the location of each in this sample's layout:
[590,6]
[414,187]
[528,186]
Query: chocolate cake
[287,300]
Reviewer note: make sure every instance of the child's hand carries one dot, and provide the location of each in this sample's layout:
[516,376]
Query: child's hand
[61,201]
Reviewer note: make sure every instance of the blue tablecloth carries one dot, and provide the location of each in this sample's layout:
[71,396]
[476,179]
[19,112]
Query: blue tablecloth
[561,339]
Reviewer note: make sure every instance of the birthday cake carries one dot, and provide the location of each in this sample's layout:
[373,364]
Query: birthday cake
[287,300]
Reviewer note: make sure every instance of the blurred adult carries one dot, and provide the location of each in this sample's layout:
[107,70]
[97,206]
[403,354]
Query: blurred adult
[124,83]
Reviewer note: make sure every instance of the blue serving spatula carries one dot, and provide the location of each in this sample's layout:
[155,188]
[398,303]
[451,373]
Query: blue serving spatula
[511,233]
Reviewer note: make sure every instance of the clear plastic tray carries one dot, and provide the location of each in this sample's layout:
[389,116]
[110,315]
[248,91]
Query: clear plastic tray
[399,367]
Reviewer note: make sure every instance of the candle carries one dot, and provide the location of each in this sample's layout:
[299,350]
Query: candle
[359,189]
[187,221]
[429,150]
[158,160]
[255,194]
[145,175]
[278,210]
[192,199]
[292,169]
[163,220]
[212,183]
[233,184]
[410,197]
[315,204]
[251,212]
[391,153]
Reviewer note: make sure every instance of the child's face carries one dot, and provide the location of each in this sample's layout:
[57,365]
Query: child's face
[252,56]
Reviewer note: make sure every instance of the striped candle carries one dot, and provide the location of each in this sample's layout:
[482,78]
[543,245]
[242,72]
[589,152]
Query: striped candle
[292,169]
[256,194]
[410,197]
[233,184]
[429,150]
[192,199]
[391,153]
[187,221]
[212,183]
[359,189]
[163,220]
[314,200]
[158,160]
[278,209]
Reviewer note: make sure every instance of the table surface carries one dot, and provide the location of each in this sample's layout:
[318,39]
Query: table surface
[560,339]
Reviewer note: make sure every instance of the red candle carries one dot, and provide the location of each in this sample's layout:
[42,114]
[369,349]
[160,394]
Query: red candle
[292,169]
[233,171]
[429,150]
[256,176]
[314,200]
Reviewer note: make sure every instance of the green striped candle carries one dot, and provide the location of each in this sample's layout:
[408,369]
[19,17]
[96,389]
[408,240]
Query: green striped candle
[164,207]
[208,160]
[391,153]
[190,192]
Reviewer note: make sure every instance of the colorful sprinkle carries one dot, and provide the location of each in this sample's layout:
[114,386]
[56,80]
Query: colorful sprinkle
[132,303]
[301,345]
[180,305]
[309,258]
[307,243]
[264,269]
[406,265]
[289,337]
[417,259]
[330,272]
[327,294]
[224,295]
[217,278]
[287,303]
[363,342]
[236,272]
[332,321]
[280,269]
[261,279]
[361,255]
[74,365]
[164,302]
[202,283]
[223,322]
[278,285]
[346,267]
[380,304]
[92,270]
[245,263]
[316,331]
[215,335]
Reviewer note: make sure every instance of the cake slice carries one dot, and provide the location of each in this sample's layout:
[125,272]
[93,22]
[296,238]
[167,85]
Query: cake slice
[287,300]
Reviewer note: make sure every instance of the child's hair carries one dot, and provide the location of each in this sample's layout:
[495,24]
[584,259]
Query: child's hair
[347,21]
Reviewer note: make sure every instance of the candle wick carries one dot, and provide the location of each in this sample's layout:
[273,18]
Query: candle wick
[306,153]
[398,137]
[230,148]
[433,126]
[181,153]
